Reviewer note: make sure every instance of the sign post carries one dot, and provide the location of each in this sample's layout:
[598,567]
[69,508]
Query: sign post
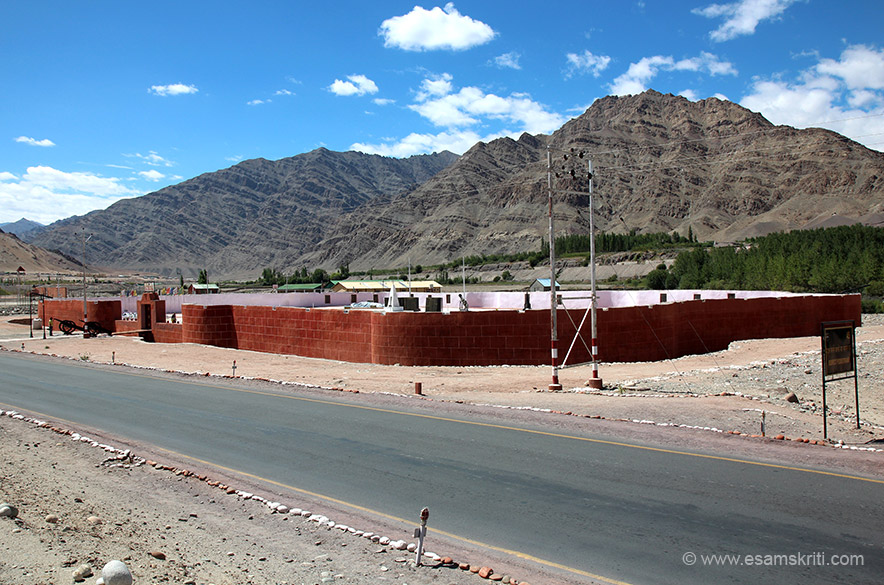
[838,340]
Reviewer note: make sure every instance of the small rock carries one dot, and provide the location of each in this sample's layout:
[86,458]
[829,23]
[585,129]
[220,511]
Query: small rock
[81,572]
[94,520]
[790,397]
[52,518]
[411,547]
[115,573]
[158,555]
[8,510]
[486,572]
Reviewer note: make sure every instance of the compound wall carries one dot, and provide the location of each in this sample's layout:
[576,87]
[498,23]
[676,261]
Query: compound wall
[626,334]
[493,337]
[105,312]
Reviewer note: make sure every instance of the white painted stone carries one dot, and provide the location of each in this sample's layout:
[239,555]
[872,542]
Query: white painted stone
[115,573]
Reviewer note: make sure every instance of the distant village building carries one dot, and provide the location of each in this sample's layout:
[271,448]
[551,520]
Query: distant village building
[542,284]
[202,289]
[307,287]
[424,286]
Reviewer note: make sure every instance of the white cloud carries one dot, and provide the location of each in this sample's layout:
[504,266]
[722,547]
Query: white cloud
[689,94]
[639,74]
[860,67]
[457,142]
[383,101]
[742,17]
[470,104]
[34,141]
[173,89]
[435,86]
[845,95]
[6,176]
[257,102]
[234,159]
[151,158]
[356,85]
[428,30]
[283,92]
[586,63]
[152,175]
[508,60]
[457,111]
[46,194]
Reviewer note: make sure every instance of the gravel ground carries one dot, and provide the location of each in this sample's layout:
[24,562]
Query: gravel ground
[83,504]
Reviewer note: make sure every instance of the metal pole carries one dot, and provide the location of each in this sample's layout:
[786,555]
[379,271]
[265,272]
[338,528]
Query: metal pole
[554,386]
[85,239]
[595,382]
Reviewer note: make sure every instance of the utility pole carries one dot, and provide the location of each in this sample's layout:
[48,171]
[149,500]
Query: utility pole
[85,239]
[595,382]
[554,386]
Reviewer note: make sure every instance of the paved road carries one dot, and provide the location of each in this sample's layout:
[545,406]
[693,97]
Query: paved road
[623,512]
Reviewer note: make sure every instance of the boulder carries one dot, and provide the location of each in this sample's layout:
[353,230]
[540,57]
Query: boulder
[115,573]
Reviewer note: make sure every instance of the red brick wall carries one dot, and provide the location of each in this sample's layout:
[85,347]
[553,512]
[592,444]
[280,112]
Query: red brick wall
[167,333]
[626,334]
[121,326]
[105,312]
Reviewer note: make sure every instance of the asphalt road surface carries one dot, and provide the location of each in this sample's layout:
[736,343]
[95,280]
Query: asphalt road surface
[595,505]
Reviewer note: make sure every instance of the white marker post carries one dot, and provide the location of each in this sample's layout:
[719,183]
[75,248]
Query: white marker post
[420,533]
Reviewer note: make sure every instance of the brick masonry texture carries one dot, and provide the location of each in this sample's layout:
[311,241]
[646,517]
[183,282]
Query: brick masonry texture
[477,338]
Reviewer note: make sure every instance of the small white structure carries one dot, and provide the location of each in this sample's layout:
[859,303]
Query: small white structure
[393,301]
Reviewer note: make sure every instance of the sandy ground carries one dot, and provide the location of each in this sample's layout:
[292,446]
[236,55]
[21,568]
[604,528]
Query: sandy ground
[84,505]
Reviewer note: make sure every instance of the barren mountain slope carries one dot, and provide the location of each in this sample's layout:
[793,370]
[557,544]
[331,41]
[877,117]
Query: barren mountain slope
[238,220]
[661,162]
[14,254]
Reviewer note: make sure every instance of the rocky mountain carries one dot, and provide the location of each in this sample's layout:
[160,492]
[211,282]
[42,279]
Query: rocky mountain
[237,221]
[21,227]
[15,253]
[661,162]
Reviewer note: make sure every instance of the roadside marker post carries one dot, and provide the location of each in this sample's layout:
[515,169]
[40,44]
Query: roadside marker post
[234,368]
[419,533]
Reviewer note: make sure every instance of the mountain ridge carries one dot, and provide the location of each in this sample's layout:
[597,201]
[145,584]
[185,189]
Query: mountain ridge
[661,163]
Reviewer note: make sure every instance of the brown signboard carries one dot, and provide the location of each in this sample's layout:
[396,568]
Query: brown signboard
[839,360]
[838,349]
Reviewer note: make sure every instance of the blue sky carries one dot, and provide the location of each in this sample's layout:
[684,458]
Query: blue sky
[106,100]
